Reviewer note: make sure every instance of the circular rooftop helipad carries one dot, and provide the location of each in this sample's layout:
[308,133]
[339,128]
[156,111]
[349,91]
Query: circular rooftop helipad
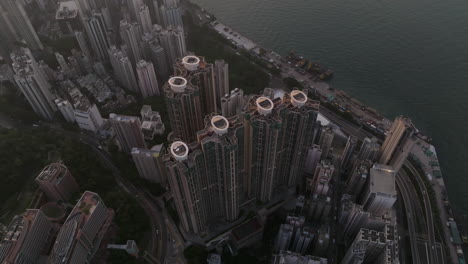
[298,98]
[220,124]
[179,150]
[178,84]
[264,105]
[191,62]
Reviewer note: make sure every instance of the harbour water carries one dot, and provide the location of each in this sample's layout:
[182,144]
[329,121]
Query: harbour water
[405,57]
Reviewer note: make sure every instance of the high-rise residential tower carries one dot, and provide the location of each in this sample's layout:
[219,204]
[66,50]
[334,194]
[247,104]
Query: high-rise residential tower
[66,108]
[325,141]
[81,39]
[172,39]
[56,181]
[370,149]
[144,19]
[232,103]
[157,13]
[199,74]
[147,81]
[25,238]
[128,131]
[123,69]
[358,177]
[381,190]
[87,116]
[133,8]
[398,143]
[185,168]
[153,52]
[80,236]
[33,84]
[348,153]
[184,108]
[107,18]
[172,14]
[313,158]
[262,130]
[222,143]
[149,164]
[97,34]
[371,246]
[299,116]
[221,69]
[16,21]
[321,179]
[131,37]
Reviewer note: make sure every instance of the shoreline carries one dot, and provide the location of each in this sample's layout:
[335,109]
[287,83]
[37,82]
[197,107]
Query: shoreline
[424,152]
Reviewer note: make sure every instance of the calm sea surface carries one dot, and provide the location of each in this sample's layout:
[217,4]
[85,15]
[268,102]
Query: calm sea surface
[398,56]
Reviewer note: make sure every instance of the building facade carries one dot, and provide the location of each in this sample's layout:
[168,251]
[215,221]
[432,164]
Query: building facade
[371,246]
[221,69]
[262,131]
[184,108]
[81,39]
[154,52]
[123,69]
[66,109]
[144,19]
[222,143]
[87,116]
[128,132]
[313,158]
[15,20]
[325,141]
[96,30]
[147,81]
[131,36]
[149,164]
[199,74]
[172,39]
[358,177]
[232,103]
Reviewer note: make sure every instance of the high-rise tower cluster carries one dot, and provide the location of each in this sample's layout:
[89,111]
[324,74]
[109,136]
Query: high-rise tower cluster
[222,162]
[199,74]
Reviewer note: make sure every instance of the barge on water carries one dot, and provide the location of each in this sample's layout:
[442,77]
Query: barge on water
[304,65]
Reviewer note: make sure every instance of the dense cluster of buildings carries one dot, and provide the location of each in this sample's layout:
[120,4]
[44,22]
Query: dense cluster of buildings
[227,153]
[216,165]
[140,60]
[269,146]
